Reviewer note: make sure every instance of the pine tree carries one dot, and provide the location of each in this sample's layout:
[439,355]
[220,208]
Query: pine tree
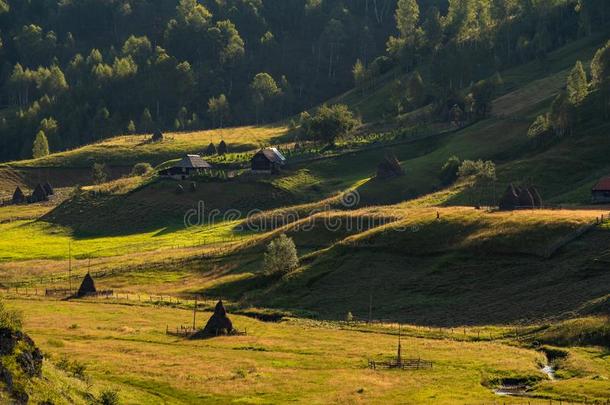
[577,84]
[146,122]
[40,148]
[359,72]
[562,114]
[131,127]
[600,75]
[416,90]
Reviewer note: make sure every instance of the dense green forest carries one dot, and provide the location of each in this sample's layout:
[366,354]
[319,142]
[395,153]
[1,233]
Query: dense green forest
[75,71]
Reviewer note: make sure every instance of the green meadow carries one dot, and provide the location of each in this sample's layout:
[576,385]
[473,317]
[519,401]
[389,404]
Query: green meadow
[295,360]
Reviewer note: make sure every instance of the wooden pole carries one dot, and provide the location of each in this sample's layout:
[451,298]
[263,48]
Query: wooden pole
[194,313]
[70,265]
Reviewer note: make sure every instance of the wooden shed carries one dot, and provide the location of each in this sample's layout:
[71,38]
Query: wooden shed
[600,193]
[188,166]
[268,160]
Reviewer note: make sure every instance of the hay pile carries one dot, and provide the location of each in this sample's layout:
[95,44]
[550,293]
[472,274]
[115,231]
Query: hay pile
[389,167]
[520,197]
[18,196]
[510,199]
[87,287]
[525,198]
[157,136]
[48,188]
[210,150]
[39,194]
[218,324]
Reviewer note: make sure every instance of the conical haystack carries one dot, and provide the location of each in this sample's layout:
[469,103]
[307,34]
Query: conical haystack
[87,287]
[218,324]
[39,194]
[510,199]
[525,198]
[389,167]
[18,196]
[536,197]
[48,189]
[210,150]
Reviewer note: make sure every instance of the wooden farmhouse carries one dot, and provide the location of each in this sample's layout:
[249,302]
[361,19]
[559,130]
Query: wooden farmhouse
[268,160]
[189,165]
[601,191]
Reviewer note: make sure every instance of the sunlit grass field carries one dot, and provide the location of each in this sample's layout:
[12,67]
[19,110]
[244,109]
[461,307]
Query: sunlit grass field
[300,361]
[32,240]
[130,149]
[274,363]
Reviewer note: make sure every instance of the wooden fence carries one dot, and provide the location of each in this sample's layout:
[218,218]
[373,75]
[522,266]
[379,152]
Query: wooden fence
[66,292]
[403,364]
[188,331]
[226,249]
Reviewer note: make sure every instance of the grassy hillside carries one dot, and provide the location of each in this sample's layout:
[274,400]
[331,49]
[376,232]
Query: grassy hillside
[549,76]
[462,268]
[294,360]
[131,149]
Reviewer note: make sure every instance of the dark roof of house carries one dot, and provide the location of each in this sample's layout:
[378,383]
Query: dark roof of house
[273,155]
[193,162]
[603,184]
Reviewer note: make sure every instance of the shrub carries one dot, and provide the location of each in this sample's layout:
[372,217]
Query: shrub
[99,173]
[141,169]
[75,368]
[109,397]
[281,256]
[449,171]
[330,123]
[9,319]
[478,169]
[541,129]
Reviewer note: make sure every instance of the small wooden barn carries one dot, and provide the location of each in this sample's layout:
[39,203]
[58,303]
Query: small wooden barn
[268,160]
[600,193]
[188,166]
[18,196]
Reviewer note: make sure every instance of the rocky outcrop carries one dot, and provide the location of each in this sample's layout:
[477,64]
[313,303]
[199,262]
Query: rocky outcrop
[17,346]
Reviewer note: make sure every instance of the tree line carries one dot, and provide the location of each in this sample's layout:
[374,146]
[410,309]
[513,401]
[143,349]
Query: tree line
[462,44]
[76,71]
[81,70]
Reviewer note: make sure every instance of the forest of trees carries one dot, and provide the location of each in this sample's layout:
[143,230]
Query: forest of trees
[94,68]
[75,71]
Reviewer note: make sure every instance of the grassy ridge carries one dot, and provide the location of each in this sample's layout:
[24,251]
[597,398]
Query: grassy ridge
[131,149]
